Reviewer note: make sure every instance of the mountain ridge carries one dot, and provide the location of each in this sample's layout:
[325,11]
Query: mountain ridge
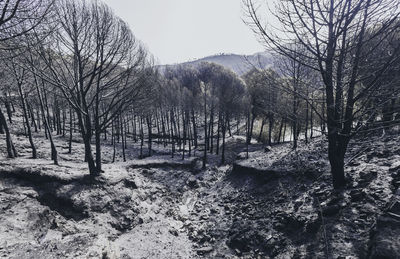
[238,63]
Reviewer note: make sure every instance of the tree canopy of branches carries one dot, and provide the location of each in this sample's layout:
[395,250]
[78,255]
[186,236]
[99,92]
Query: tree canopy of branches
[337,36]
[18,17]
[93,59]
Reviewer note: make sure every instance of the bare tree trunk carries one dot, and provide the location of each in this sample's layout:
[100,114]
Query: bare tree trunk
[141,137]
[250,135]
[33,120]
[8,108]
[323,114]
[224,119]
[86,132]
[284,132]
[205,131]
[54,155]
[189,133]
[194,128]
[229,128]
[97,133]
[306,124]
[311,120]
[237,125]
[271,120]
[211,132]
[336,160]
[1,128]
[218,132]
[150,133]
[171,134]
[64,115]
[26,119]
[134,129]
[38,119]
[70,132]
[123,136]
[247,134]
[261,130]
[184,134]
[11,152]
[113,139]
[47,108]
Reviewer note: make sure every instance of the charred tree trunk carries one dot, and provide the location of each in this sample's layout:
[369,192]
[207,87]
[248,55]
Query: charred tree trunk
[250,135]
[224,119]
[141,137]
[261,130]
[205,132]
[11,152]
[86,132]
[280,131]
[271,121]
[123,136]
[218,132]
[113,139]
[150,134]
[54,155]
[1,128]
[194,128]
[8,108]
[26,119]
[70,132]
[33,120]
[306,124]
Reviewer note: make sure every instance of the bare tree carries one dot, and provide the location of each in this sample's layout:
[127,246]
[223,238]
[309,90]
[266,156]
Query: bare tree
[20,78]
[18,17]
[95,61]
[334,34]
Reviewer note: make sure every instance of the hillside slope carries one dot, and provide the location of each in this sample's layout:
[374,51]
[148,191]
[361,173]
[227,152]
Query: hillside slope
[240,64]
[275,204]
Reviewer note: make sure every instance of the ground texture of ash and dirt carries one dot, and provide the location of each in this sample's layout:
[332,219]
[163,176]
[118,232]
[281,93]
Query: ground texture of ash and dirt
[277,203]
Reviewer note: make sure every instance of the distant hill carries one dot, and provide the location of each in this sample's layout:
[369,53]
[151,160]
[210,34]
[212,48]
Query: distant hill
[240,64]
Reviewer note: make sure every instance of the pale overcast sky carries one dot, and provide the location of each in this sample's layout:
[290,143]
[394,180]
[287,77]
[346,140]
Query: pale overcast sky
[175,31]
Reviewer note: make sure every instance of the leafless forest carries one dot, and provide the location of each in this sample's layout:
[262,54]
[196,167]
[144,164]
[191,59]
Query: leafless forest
[104,153]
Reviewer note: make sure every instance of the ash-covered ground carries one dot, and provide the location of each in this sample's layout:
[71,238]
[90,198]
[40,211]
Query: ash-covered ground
[278,203]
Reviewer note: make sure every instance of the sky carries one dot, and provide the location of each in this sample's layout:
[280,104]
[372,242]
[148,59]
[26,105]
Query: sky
[176,31]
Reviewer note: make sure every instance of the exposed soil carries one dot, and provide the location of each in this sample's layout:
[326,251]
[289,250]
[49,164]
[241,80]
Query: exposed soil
[278,203]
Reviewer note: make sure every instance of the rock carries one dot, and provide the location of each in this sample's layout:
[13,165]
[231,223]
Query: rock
[204,250]
[174,232]
[52,236]
[130,184]
[192,182]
